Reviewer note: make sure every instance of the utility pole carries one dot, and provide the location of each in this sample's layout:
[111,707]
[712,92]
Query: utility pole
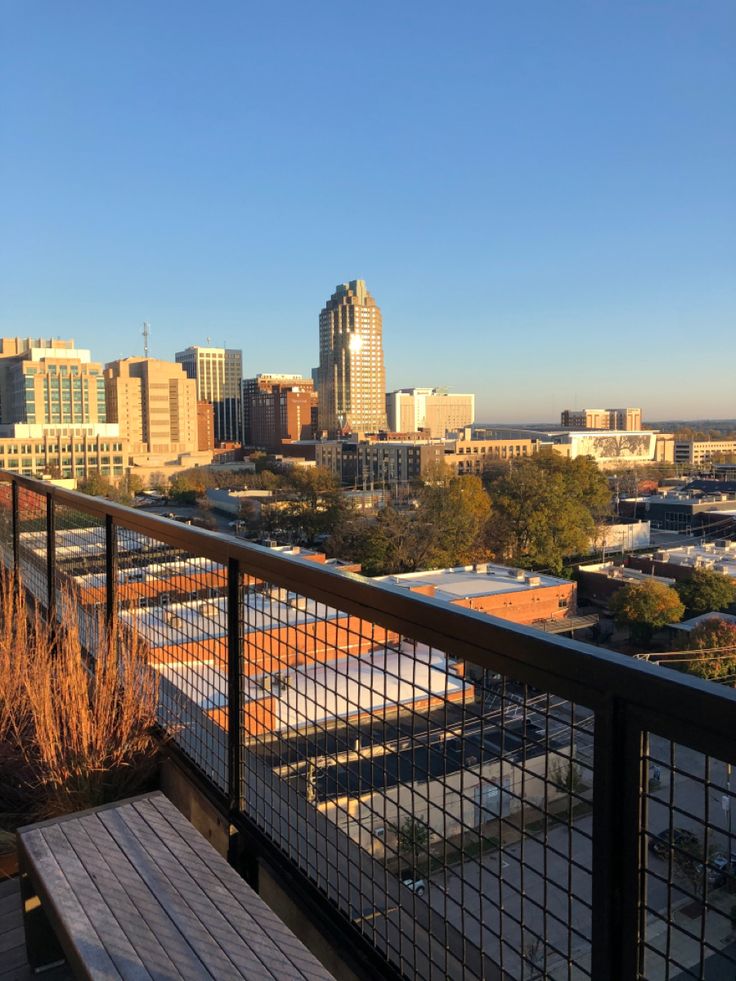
[146,332]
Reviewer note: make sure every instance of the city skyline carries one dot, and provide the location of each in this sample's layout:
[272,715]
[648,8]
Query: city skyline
[543,226]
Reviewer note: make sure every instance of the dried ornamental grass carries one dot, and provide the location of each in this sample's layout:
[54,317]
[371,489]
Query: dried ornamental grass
[92,718]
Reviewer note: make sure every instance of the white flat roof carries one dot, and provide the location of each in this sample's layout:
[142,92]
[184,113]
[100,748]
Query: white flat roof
[84,542]
[718,558]
[481,580]
[201,620]
[156,571]
[343,688]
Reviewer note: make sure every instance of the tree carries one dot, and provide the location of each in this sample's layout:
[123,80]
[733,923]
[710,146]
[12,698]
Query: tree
[453,515]
[715,639]
[706,591]
[447,528]
[646,606]
[545,509]
[412,839]
[316,505]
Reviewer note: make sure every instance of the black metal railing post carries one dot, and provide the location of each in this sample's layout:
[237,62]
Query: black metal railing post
[16,530]
[618,845]
[51,558]
[111,569]
[234,687]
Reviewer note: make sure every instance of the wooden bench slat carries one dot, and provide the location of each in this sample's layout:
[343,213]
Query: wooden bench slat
[110,874]
[258,925]
[141,895]
[243,953]
[67,907]
[97,909]
[170,898]
[145,901]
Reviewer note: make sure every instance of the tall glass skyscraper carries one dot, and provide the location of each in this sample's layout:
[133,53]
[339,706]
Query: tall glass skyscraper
[218,372]
[351,376]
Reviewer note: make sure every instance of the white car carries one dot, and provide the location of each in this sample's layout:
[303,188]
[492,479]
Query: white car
[417,886]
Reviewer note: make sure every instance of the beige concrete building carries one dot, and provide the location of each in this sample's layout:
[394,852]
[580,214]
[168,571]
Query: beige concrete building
[71,451]
[699,451]
[155,405]
[474,455]
[351,374]
[624,420]
[434,410]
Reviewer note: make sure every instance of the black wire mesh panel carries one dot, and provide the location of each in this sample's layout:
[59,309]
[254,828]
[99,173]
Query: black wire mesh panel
[80,566]
[33,544]
[688,871]
[176,603]
[6,524]
[446,813]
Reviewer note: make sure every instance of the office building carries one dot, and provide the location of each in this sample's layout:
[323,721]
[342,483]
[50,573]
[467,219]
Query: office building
[433,410]
[697,452]
[473,456]
[352,377]
[155,405]
[278,409]
[367,463]
[49,383]
[625,420]
[65,451]
[205,427]
[218,372]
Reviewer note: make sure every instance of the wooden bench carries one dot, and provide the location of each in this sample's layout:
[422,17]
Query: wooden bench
[133,891]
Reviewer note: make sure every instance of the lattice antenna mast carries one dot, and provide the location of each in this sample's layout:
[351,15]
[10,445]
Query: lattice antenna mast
[146,334]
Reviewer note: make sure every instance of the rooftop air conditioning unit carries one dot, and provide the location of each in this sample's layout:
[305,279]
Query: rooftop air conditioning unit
[279,594]
[480,567]
[533,580]
[298,602]
[211,610]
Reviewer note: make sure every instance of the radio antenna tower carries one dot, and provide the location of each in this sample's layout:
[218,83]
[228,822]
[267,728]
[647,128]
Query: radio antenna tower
[146,333]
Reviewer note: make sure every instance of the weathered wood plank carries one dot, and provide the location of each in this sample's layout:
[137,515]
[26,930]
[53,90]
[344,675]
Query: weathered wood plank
[217,907]
[257,925]
[136,886]
[170,898]
[141,899]
[95,905]
[59,899]
[109,873]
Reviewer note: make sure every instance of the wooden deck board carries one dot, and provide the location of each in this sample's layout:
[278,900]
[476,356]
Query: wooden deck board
[13,962]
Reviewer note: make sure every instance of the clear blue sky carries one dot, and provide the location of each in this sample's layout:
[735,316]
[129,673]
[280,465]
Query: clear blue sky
[541,195]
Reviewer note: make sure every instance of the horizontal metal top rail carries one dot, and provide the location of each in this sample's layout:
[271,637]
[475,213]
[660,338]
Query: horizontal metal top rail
[675,705]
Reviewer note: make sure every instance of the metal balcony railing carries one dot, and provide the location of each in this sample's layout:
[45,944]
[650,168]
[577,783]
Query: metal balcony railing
[450,794]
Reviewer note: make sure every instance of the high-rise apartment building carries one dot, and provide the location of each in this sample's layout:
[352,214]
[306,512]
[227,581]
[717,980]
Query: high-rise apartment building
[278,409]
[622,420]
[434,410]
[49,383]
[154,403]
[218,372]
[352,377]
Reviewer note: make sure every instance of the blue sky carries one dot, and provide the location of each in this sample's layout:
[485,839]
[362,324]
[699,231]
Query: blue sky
[541,196]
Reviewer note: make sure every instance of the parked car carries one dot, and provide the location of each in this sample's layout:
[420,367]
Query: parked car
[409,879]
[679,838]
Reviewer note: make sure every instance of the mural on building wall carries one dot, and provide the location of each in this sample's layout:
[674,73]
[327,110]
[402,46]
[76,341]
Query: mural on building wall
[615,446]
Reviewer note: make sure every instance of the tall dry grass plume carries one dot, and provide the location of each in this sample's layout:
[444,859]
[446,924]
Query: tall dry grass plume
[85,721]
